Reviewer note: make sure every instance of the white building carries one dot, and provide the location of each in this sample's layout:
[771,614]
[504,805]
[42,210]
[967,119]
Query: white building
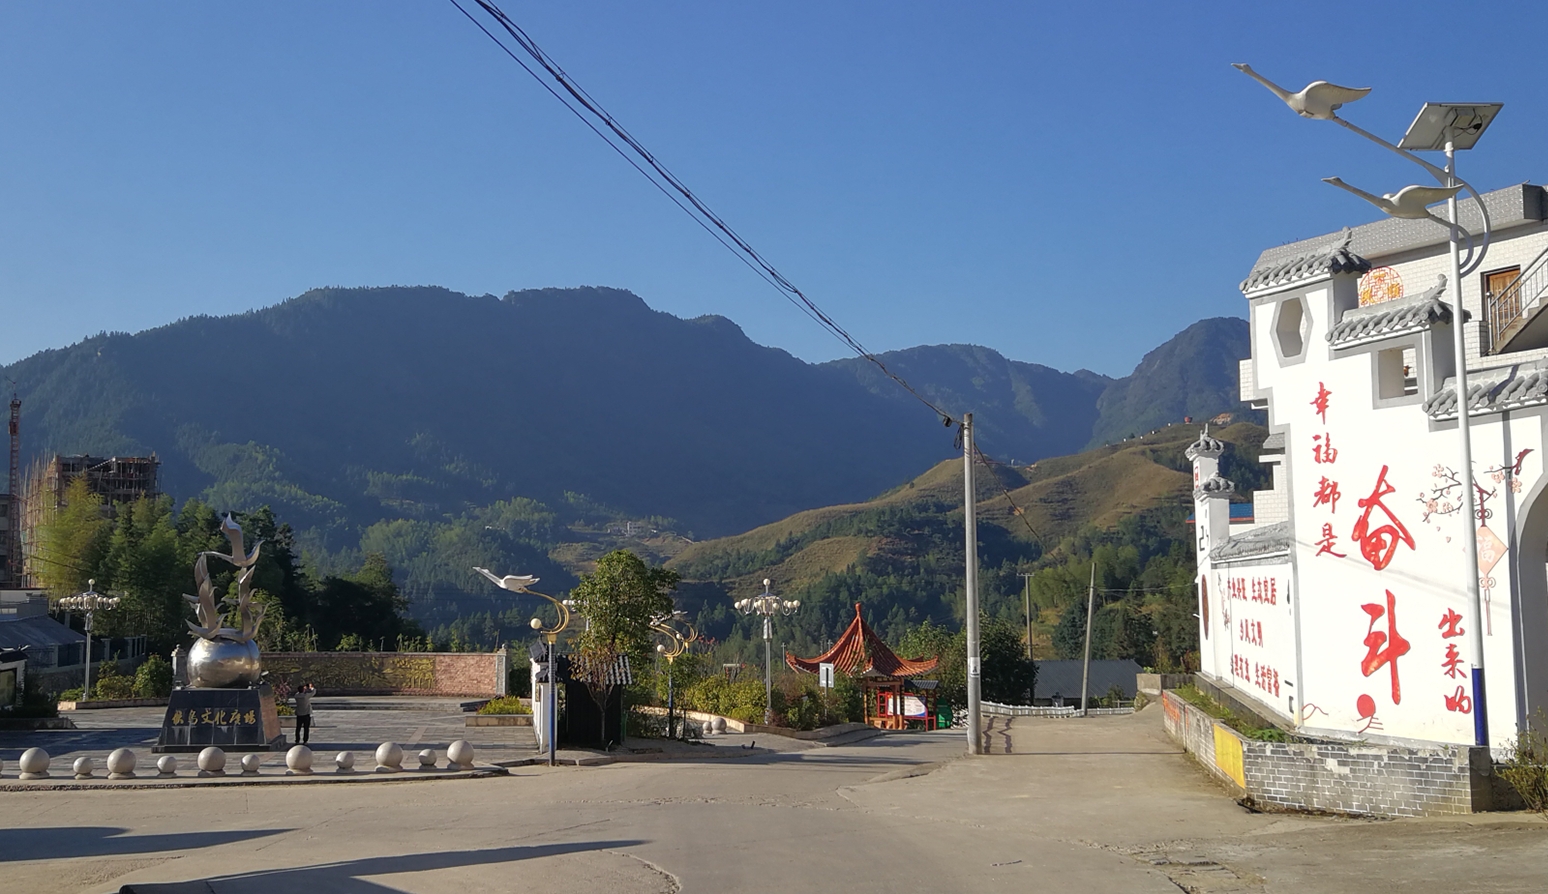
[1343,608]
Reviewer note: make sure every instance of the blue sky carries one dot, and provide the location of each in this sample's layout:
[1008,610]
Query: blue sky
[1070,184]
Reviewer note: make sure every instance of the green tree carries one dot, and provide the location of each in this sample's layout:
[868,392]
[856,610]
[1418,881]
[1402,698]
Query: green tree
[618,601]
[72,541]
[1008,675]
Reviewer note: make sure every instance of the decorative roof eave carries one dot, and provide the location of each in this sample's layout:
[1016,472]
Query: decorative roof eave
[1518,388]
[859,651]
[1378,322]
[1315,264]
[1214,486]
[1204,446]
[1262,542]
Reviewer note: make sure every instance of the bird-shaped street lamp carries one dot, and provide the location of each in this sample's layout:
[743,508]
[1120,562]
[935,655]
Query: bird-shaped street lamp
[1439,127]
[767,605]
[89,603]
[522,583]
[676,646]
[1409,203]
[1319,100]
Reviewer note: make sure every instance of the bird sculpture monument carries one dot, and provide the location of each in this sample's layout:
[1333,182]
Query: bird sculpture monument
[225,702]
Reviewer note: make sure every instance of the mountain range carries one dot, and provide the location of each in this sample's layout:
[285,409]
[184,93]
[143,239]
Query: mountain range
[344,406]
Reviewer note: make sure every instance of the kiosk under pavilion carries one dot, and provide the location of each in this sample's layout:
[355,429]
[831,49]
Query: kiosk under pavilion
[892,693]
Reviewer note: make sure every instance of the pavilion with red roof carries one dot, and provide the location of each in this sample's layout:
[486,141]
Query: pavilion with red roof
[892,694]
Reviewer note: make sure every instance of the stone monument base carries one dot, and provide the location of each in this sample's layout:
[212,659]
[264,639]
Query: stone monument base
[230,719]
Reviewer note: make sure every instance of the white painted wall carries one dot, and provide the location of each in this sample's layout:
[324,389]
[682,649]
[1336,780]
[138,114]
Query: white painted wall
[1327,642]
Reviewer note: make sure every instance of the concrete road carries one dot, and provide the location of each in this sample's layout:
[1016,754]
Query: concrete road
[1101,805]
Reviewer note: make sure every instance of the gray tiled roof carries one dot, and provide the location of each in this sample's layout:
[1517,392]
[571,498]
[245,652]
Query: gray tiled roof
[1493,391]
[1391,318]
[1274,443]
[38,633]
[1333,257]
[1512,206]
[1062,677]
[1263,540]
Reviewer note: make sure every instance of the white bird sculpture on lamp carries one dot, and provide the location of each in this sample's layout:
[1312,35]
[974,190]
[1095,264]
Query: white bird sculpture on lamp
[1409,203]
[516,583]
[1318,100]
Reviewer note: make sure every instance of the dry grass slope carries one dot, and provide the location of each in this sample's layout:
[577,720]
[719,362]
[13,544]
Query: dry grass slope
[1059,496]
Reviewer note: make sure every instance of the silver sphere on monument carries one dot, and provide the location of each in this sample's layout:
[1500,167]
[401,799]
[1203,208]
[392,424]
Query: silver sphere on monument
[225,657]
[223,663]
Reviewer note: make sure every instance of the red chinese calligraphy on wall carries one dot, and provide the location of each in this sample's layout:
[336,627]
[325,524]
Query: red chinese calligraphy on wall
[1323,450]
[1383,649]
[1263,590]
[1328,540]
[1378,545]
[1327,494]
[1320,402]
[1262,676]
[1459,701]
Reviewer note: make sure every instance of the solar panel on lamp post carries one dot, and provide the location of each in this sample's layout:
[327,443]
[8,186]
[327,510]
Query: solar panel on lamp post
[1439,127]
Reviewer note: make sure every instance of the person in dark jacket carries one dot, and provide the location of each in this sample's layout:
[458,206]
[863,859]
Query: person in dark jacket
[303,698]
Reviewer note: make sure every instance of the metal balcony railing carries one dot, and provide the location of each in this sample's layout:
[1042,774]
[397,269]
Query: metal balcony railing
[1509,309]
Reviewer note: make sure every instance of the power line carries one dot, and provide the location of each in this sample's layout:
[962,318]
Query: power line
[668,184]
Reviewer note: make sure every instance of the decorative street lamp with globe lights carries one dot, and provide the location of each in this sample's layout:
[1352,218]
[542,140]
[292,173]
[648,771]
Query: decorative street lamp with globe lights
[1439,127]
[89,602]
[768,605]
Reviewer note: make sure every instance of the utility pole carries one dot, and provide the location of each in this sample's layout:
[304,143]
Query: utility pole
[1085,670]
[13,557]
[970,524]
[1026,585]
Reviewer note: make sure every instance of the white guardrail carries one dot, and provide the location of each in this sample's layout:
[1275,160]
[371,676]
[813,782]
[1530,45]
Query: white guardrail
[1048,710]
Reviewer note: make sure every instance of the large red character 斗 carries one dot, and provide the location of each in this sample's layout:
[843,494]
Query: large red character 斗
[1384,648]
[1378,546]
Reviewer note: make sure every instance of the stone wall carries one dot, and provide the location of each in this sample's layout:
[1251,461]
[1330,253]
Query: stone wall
[469,674]
[1338,777]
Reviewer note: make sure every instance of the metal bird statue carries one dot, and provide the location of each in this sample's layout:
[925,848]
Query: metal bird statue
[1409,203]
[250,614]
[1318,100]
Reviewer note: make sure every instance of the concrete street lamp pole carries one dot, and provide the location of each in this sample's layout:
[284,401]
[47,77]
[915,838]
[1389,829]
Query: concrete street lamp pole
[970,584]
[767,605]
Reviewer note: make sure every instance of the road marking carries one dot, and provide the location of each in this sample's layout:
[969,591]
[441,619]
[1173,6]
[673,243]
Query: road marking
[418,734]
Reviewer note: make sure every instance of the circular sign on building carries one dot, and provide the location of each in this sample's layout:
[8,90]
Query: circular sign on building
[1380,284]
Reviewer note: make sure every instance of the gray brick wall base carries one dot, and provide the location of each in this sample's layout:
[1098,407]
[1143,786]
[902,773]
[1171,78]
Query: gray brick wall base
[1335,777]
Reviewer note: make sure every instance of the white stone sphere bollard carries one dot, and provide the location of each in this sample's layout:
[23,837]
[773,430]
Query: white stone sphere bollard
[212,762]
[250,764]
[83,768]
[298,761]
[718,725]
[345,761]
[121,764]
[459,755]
[34,764]
[166,765]
[427,759]
[389,757]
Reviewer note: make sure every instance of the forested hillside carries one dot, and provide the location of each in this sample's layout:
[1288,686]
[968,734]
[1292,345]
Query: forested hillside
[537,431]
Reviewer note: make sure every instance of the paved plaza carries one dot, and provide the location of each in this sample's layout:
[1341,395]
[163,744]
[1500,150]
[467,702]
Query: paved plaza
[1106,804]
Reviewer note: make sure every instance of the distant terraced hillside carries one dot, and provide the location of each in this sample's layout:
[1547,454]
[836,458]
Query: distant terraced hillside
[901,553]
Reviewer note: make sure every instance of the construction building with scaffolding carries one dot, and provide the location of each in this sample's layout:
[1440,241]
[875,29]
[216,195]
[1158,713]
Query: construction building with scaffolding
[116,480]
